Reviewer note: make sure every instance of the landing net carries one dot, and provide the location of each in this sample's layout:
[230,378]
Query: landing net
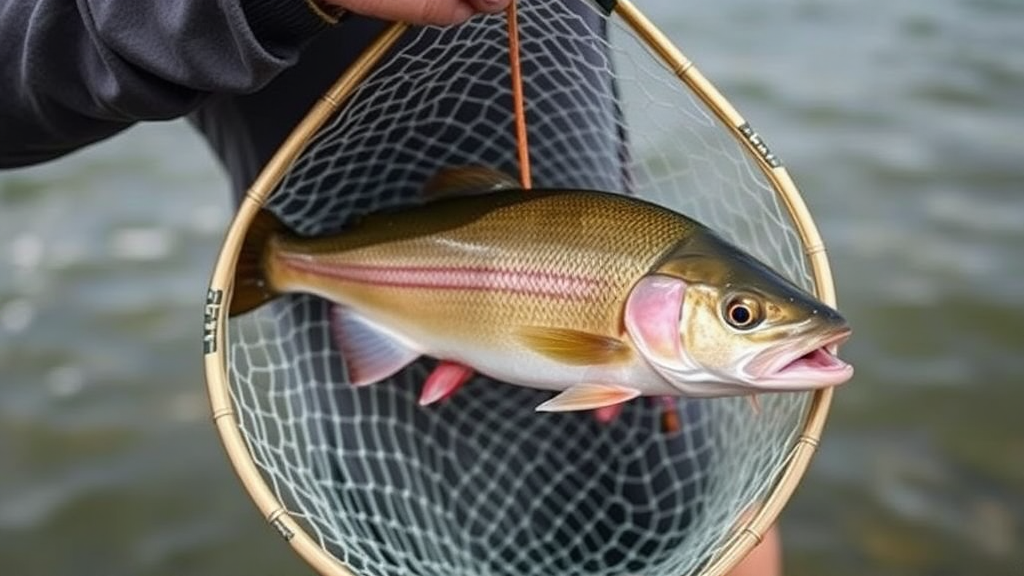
[481,484]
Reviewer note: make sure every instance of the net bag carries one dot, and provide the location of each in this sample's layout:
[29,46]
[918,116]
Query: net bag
[364,481]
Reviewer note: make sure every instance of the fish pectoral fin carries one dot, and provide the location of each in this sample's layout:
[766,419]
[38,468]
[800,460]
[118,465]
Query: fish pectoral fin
[446,378]
[573,346]
[467,181]
[370,354]
[588,397]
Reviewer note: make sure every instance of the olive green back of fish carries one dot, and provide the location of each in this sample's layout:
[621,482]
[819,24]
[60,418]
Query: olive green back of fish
[569,218]
[561,259]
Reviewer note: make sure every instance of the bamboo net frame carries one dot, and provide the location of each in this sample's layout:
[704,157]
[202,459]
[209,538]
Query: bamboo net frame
[745,537]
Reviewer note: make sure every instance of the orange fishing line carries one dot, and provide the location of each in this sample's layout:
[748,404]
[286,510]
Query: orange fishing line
[517,95]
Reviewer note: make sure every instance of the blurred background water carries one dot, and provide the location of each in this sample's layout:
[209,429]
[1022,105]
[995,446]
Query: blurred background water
[902,122]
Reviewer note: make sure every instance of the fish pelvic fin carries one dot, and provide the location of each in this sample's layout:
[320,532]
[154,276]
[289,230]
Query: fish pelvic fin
[467,181]
[588,397]
[446,378]
[608,414]
[670,422]
[574,347]
[251,286]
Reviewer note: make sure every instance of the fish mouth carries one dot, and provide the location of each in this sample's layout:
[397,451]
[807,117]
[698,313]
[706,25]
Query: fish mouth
[810,366]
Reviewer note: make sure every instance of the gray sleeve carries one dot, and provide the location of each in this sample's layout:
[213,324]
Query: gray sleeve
[76,71]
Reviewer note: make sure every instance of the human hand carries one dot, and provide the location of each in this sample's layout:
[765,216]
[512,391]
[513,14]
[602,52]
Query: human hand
[437,12]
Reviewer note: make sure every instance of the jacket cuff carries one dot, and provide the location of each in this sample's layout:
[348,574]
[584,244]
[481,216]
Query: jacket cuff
[286,22]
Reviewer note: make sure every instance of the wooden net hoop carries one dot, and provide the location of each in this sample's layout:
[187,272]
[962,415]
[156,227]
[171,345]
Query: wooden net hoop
[743,540]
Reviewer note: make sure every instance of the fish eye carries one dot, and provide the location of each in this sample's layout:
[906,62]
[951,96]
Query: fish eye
[743,312]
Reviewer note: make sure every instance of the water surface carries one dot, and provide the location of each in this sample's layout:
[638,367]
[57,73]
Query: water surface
[900,121]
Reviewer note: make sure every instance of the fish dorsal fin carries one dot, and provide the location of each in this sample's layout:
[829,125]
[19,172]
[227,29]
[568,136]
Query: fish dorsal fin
[588,397]
[467,181]
[369,353]
[574,347]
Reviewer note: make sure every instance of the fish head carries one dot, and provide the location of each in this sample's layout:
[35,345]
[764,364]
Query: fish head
[715,321]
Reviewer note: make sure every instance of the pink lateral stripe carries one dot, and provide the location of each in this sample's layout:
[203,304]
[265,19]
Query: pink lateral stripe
[533,282]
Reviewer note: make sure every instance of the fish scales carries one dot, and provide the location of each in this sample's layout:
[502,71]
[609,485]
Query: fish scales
[560,259]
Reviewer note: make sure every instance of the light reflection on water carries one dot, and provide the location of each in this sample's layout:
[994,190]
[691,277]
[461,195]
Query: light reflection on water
[901,123]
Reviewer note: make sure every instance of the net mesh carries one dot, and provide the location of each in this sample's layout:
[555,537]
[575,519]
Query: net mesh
[481,484]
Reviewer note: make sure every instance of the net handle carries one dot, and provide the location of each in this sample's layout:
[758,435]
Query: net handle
[751,534]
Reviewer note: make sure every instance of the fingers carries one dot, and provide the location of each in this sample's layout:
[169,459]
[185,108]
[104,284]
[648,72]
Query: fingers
[765,559]
[435,12]
[490,6]
[463,10]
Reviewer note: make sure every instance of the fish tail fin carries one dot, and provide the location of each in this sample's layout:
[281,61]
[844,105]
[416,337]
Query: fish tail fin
[251,286]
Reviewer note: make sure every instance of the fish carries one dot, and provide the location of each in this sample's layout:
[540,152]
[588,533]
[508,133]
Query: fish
[596,296]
